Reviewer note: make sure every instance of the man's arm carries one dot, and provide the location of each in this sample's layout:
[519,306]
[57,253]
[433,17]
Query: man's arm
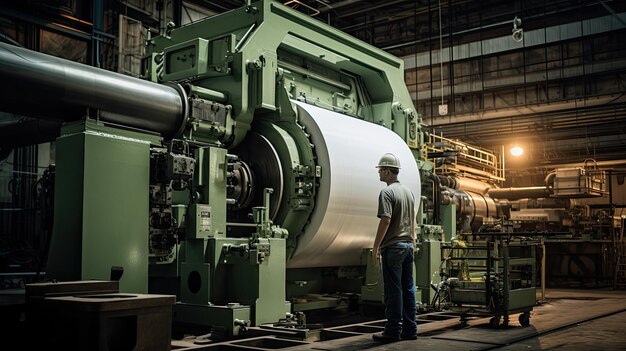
[380,235]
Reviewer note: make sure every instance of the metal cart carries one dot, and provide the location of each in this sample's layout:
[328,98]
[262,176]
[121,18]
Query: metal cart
[492,276]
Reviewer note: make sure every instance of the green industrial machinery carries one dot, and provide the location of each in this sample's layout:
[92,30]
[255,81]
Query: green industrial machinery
[238,173]
[261,68]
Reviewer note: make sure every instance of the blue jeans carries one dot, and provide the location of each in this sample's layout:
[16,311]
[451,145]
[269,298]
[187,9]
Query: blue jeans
[400,304]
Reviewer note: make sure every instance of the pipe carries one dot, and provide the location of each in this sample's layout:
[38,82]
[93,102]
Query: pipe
[536,111]
[464,183]
[520,193]
[604,164]
[337,5]
[48,87]
[448,182]
[473,185]
[207,94]
[545,203]
[549,180]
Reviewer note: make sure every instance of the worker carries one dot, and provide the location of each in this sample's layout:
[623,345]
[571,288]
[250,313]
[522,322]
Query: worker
[394,245]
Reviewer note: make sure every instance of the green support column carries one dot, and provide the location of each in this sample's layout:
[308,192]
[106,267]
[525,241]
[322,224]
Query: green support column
[262,283]
[448,220]
[101,205]
[205,223]
[428,261]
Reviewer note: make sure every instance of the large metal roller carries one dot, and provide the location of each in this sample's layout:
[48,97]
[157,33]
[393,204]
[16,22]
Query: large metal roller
[44,86]
[344,220]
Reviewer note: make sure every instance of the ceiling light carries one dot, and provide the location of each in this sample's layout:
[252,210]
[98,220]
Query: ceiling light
[517,151]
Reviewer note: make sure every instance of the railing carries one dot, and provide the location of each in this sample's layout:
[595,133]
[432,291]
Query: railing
[462,159]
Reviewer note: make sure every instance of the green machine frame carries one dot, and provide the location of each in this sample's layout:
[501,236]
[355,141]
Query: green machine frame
[254,60]
[155,206]
[160,184]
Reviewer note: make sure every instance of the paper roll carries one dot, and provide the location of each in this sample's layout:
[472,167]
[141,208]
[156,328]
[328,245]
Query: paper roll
[344,220]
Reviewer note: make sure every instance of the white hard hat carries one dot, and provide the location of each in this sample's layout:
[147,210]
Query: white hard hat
[389,160]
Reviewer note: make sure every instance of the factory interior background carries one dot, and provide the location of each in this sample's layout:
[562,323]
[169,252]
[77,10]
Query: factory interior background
[513,112]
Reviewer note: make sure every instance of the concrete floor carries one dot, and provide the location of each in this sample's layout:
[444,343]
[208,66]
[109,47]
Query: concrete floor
[555,320]
[586,320]
[557,317]
[566,320]
[608,333]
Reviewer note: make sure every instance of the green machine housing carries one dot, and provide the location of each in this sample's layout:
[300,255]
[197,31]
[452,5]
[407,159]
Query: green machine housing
[252,63]
[238,172]
[200,180]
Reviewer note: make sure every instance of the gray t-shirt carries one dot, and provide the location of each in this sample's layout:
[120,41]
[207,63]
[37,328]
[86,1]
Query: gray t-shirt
[397,202]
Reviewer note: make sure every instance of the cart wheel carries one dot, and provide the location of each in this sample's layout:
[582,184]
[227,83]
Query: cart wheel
[464,320]
[524,319]
[494,322]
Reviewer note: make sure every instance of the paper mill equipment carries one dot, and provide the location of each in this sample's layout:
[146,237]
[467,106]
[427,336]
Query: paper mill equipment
[237,173]
[236,176]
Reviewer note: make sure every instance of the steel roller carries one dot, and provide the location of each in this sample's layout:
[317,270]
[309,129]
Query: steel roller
[48,87]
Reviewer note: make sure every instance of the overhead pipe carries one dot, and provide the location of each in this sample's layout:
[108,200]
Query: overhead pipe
[544,203]
[566,107]
[464,183]
[533,192]
[47,87]
[602,164]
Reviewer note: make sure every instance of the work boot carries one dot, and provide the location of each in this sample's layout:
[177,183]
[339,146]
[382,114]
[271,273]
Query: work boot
[382,337]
